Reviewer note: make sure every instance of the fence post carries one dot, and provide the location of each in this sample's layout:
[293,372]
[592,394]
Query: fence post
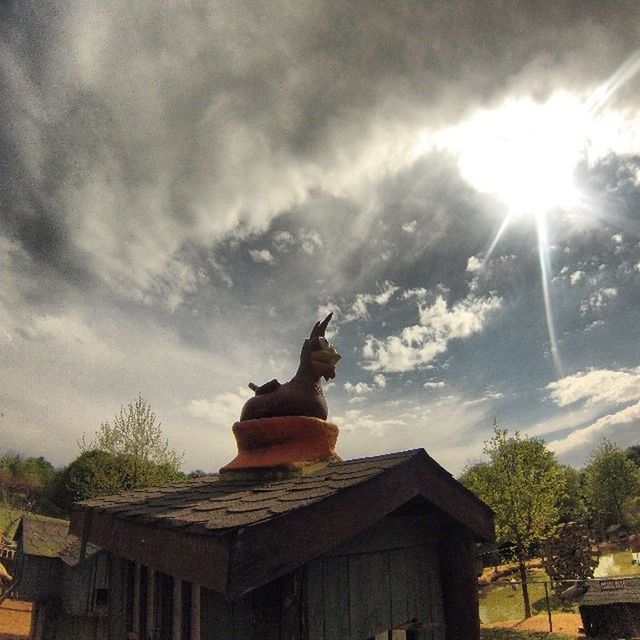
[546,598]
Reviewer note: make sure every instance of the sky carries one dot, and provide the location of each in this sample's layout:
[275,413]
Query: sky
[186,187]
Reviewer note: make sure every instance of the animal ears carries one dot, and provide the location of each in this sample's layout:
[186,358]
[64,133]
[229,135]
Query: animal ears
[320,327]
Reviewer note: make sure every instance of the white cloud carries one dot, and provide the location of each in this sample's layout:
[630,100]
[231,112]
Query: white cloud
[419,344]
[379,381]
[597,386]
[434,385]
[283,241]
[261,256]
[588,435]
[360,307]
[474,264]
[222,411]
[410,227]
[358,389]
[598,300]
[576,277]
[419,292]
[310,241]
[358,420]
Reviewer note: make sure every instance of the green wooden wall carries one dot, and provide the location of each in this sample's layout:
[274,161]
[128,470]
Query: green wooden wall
[385,577]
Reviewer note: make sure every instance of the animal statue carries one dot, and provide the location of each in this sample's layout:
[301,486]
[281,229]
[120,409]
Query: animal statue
[302,395]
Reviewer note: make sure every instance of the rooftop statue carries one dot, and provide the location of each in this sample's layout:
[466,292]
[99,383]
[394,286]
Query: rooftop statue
[302,395]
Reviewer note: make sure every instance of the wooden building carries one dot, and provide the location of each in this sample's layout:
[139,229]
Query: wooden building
[69,595]
[611,608]
[345,552]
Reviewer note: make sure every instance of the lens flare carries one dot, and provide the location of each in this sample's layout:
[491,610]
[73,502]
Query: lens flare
[526,154]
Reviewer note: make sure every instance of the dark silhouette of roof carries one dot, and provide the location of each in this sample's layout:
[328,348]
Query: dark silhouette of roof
[233,536]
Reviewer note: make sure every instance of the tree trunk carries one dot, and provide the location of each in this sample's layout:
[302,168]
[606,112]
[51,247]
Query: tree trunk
[525,588]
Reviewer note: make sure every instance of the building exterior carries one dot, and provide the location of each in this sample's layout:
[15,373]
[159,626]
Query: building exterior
[344,551]
[611,607]
[69,595]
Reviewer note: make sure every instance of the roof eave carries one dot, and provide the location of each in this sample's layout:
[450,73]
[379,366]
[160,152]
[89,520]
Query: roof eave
[266,550]
[202,559]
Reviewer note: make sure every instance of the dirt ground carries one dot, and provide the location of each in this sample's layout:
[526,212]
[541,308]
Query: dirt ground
[15,619]
[563,623]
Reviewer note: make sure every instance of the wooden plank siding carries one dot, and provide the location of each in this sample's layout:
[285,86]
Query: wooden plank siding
[385,577]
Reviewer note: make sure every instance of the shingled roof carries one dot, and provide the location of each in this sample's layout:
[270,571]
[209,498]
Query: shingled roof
[612,591]
[233,536]
[43,536]
[50,538]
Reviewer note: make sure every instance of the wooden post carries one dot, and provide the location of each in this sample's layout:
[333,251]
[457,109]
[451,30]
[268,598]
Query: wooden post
[117,621]
[135,623]
[177,609]
[459,584]
[151,583]
[546,598]
[195,611]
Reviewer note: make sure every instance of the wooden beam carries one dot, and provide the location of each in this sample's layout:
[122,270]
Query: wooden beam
[195,611]
[177,610]
[151,588]
[135,625]
[194,557]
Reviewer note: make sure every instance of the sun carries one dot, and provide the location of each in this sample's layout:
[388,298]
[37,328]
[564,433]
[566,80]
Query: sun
[523,152]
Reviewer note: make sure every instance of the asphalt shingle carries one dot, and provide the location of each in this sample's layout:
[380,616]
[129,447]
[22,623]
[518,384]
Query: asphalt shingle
[213,503]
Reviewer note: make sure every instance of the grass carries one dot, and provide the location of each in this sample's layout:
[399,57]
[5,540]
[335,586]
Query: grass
[8,518]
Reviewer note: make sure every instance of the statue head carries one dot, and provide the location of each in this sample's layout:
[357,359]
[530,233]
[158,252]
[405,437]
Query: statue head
[318,353]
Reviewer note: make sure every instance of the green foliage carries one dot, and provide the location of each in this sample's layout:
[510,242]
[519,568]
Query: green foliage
[570,554]
[633,453]
[24,480]
[134,433]
[612,486]
[99,473]
[9,518]
[572,505]
[522,483]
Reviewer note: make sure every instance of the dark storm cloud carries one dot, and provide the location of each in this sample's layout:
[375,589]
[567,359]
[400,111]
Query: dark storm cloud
[192,119]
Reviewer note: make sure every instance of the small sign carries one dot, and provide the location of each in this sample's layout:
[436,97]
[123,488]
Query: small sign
[611,585]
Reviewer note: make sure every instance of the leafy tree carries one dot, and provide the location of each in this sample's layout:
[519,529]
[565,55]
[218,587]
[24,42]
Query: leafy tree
[572,505]
[613,481]
[99,473]
[522,483]
[23,480]
[134,433]
[633,453]
[570,554]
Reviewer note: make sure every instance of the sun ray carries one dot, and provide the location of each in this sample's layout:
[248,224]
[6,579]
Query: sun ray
[543,256]
[496,239]
[623,74]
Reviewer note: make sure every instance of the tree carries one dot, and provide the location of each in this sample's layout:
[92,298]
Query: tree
[134,433]
[633,453]
[570,554]
[613,481]
[99,473]
[521,482]
[572,505]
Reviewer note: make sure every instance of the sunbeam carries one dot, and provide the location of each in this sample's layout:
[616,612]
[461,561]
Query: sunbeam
[527,153]
[496,239]
[543,256]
